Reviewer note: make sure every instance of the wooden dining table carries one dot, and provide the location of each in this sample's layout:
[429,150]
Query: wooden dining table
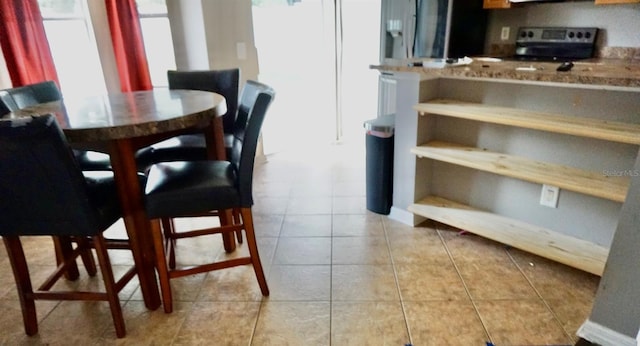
[120,124]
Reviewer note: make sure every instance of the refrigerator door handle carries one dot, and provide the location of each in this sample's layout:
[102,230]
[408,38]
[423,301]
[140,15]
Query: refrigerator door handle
[409,27]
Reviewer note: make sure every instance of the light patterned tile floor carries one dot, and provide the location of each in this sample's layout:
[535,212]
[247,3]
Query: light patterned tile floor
[338,275]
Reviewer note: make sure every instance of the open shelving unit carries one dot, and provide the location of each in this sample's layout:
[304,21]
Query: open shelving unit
[590,183]
[547,243]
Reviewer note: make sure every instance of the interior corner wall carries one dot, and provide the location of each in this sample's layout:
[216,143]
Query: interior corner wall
[186,20]
[230,42]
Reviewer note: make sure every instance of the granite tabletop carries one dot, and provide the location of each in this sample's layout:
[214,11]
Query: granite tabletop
[129,115]
[607,73]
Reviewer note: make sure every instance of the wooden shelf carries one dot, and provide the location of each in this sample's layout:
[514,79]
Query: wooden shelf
[489,4]
[565,249]
[571,125]
[610,2]
[569,178]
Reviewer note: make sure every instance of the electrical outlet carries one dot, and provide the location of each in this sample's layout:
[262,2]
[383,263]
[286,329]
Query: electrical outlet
[549,196]
[241,50]
[504,34]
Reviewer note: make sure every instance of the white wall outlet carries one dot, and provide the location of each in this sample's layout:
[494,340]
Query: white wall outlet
[241,51]
[549,196]
[504,34]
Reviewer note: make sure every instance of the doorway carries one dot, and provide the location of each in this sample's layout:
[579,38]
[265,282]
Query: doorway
[316,54]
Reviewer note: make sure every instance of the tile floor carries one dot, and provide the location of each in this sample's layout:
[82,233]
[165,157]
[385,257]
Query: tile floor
[338,275]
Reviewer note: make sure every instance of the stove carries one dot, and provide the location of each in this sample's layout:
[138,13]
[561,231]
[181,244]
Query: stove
[555,43]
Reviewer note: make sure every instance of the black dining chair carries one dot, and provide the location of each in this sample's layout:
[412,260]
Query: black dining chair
[193,146]
[17,98]
[195,188]
[45,193]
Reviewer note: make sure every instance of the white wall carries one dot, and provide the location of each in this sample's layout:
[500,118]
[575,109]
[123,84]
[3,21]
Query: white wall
[187,29]
[214,35]
[229,25]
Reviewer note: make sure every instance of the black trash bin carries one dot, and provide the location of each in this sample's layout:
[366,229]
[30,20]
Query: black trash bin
[379,163]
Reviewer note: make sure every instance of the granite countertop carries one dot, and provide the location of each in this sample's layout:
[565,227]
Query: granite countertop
[623,73]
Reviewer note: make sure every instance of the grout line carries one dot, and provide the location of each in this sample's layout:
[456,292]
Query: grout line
[263,301]
[544,301]
[331,279]
[395,275]
[466,288]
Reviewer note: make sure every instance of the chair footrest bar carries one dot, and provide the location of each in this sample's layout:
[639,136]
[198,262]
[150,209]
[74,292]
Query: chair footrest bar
[206,231]
[70,295]
[124,280]
[176,273]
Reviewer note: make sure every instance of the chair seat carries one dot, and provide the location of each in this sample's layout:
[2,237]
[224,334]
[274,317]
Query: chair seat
[187,187]
[191,147]
[92,160]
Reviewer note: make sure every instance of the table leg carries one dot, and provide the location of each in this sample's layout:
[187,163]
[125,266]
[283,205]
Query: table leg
[214,135]
[135,218]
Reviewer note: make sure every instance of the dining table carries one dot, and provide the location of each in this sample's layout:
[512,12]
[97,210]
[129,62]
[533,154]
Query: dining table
[121,124]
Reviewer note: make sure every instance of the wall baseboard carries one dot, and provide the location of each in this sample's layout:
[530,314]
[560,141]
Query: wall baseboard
[404,216]
[601,335]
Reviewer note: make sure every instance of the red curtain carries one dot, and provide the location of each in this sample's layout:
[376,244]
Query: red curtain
[24,43]
[128,46]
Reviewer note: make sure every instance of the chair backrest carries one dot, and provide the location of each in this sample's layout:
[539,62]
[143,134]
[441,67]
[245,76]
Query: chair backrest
[45,92]
[42,189]
[223,82]
[17,98]
[254,102]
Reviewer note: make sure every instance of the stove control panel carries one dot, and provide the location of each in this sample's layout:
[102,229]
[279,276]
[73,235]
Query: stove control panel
[556,35]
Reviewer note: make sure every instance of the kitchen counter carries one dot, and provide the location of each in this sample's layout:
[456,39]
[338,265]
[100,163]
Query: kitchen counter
[599,73]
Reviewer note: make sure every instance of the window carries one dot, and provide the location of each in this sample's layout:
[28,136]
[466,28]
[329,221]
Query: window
[73,46]
[158,43]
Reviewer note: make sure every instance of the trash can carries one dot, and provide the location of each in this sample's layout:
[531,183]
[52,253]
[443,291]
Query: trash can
[379,163]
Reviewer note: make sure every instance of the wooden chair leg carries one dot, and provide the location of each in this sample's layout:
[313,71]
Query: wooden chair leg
[247,217]
[161,266]
[63,248]
[226,218]
[169,227]
[237,221]
[23,283]
[86,255]
[110,285]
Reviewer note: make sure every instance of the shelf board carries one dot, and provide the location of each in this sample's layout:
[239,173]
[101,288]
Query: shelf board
[571,251]
[586,182]
[571,125]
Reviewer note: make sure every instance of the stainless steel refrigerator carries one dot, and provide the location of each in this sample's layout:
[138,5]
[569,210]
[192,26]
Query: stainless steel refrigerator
[432,28]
